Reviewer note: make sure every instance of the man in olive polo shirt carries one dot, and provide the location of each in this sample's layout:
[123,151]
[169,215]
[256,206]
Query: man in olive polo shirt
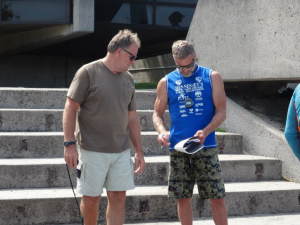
[102,93]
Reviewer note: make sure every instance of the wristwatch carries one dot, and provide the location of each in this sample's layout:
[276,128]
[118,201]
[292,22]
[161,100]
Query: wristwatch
[67,143]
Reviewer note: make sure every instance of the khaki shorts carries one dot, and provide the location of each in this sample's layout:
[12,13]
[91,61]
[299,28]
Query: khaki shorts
[202,167]
[114,171]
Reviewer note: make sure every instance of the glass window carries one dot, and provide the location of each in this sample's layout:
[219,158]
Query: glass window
[180,1]
[124,13]
[35,10]
[174,16]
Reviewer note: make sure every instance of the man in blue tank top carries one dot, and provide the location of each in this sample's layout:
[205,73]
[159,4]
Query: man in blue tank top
[197,105]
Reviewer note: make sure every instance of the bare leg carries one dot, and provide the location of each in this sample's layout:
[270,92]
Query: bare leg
[116,207]
[219,211]
[185,212]
[89,209]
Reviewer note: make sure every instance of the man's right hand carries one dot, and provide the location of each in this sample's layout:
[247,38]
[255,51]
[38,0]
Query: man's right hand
[71,156]
[163,139]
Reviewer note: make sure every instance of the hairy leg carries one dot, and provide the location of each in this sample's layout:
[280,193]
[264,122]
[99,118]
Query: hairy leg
[89,209]
[185,212]
[219,211]
[116,207]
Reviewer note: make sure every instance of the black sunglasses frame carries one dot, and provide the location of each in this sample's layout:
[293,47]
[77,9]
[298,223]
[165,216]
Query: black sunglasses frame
[187,66]
[133,57]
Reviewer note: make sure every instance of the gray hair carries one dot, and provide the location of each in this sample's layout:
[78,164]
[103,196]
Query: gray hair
[182,49]
[123,39]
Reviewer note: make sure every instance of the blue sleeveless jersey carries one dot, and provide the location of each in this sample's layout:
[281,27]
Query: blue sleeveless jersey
[187,121]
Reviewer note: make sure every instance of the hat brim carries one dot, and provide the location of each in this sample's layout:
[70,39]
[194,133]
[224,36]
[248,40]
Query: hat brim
[189,145]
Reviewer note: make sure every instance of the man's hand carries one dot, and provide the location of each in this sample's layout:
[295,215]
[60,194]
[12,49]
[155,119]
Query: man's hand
[139,163]
[201,135]
[71,156]
[163,139]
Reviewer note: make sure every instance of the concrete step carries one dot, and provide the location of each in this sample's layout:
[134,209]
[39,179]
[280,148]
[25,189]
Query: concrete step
[44,173]
[262,219]
[33,120]
[33,98]
[57,205]
[50,144]
[50,98]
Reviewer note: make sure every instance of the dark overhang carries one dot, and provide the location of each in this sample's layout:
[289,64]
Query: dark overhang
[25,15]
[158,23]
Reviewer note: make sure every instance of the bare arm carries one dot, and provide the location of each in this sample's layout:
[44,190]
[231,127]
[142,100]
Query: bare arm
[69,117]
[219,99]
[160,106]
[135,137]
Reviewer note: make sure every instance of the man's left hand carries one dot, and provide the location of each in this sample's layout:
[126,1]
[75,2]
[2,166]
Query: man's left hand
[201,135]
[139,163]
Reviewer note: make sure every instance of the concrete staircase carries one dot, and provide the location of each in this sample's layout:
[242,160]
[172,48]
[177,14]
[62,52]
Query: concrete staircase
[35,187]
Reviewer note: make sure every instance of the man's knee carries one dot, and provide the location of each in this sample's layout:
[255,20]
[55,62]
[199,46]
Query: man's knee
[116,196]
[217,203]
[184,201]
[90,201]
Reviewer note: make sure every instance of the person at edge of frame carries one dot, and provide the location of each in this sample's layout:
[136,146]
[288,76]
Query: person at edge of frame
[103,94]
[197,106]
[292,127]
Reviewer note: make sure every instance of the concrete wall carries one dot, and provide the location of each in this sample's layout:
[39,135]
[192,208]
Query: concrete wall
[248,40]
[83,23]
[39,71]
[260,138]
[58,72]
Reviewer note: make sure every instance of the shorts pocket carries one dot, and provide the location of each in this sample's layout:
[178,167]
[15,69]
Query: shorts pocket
[132,167]
[80,171]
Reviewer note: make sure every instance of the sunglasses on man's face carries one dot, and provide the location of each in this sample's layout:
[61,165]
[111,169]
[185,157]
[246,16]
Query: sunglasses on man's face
[187,66]
[133,57]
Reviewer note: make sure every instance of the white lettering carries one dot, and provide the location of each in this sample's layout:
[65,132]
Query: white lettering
[181,98]
[189,88]
[178,82]
[198,94]
[198,79]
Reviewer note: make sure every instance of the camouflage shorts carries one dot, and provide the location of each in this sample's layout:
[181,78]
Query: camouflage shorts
[202,167]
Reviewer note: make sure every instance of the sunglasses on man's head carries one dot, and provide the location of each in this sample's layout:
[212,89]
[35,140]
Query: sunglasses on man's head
[187,66]
[133,57]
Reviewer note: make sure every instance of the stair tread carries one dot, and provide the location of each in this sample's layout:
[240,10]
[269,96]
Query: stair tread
[29,110]
[49,133]
[148,159]
[20,89]
[261,219]
[233,187]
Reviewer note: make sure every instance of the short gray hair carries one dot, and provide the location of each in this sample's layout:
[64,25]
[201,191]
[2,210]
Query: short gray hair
[182,49]
[123,39]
